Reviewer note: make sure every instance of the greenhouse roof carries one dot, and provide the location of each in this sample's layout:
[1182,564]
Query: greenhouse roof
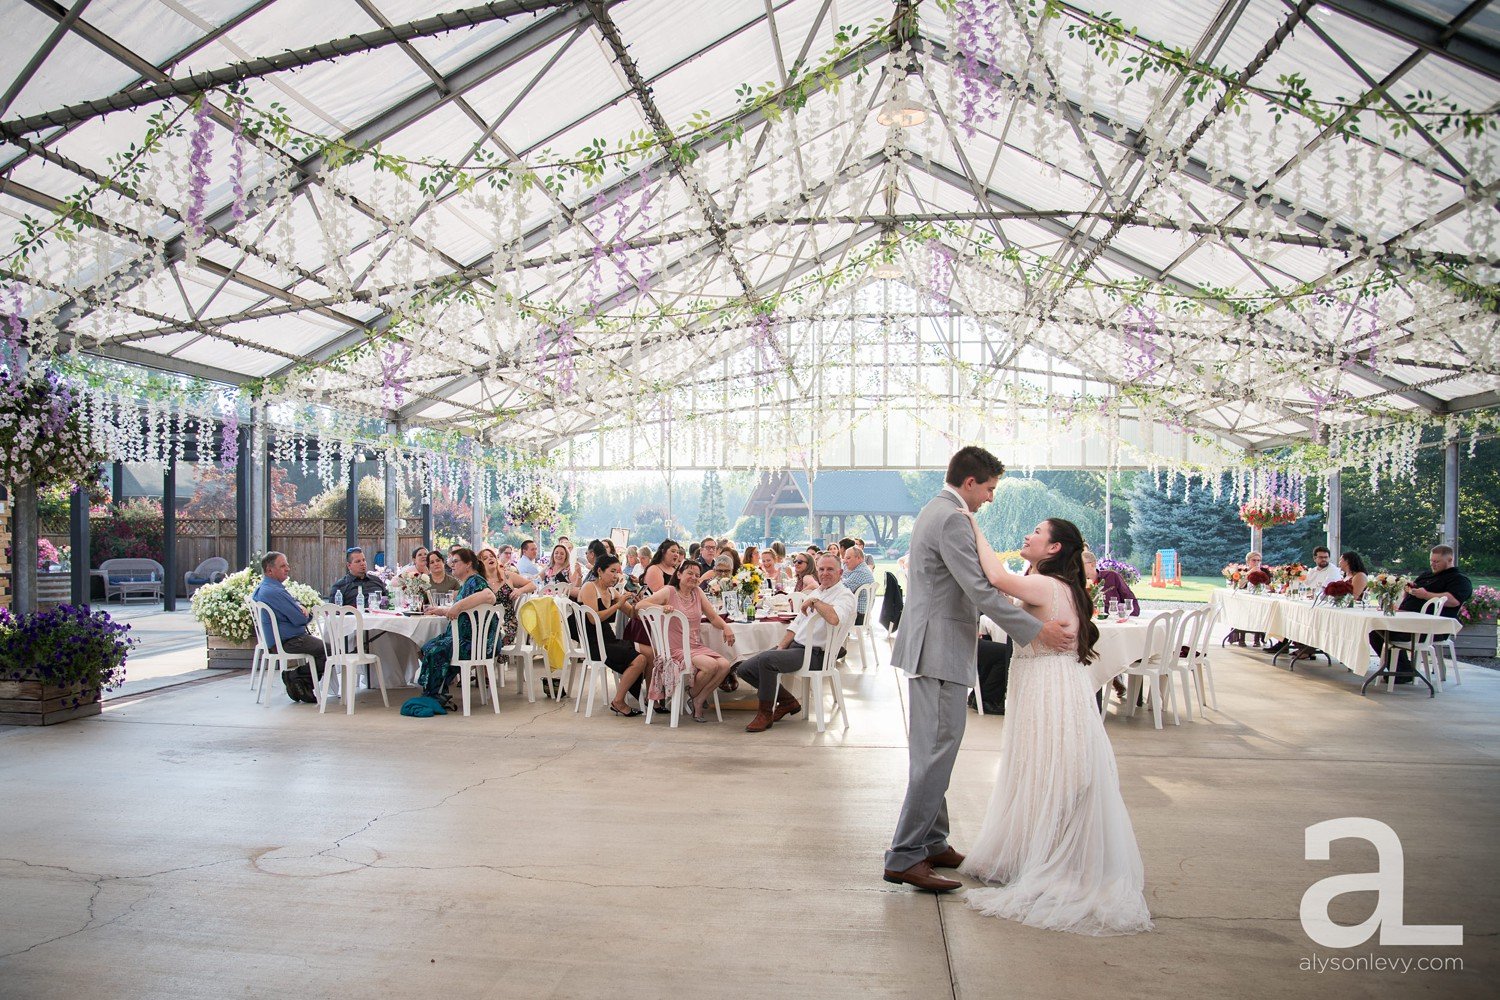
[547,223]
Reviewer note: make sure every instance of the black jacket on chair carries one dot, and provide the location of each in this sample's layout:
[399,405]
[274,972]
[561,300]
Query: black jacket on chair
[891,603]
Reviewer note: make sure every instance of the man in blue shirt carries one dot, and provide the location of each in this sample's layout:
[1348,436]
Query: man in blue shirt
[526,565]
[291,624]
[856,575]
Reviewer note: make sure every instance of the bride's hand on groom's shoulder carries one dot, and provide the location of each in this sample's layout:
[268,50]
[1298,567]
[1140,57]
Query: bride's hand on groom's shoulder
[1056,635]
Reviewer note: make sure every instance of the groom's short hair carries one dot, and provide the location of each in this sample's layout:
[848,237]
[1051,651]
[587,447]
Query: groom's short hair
[973,461]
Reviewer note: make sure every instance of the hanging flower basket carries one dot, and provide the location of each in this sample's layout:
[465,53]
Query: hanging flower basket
[1268,512]
[42,438]
[538,505]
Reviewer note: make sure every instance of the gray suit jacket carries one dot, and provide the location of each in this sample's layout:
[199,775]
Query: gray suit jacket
[939,635]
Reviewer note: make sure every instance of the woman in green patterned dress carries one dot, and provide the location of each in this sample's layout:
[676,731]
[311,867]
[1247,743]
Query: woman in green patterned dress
[437,670]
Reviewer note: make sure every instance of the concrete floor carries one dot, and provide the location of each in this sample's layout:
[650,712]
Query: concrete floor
[193,844]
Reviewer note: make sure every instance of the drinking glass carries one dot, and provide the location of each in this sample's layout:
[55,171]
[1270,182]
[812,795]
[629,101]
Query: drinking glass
[1114,608]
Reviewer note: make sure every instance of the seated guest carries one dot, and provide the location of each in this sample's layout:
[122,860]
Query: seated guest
[662,565]
[560,568]
[597,550]
[418,564]
[526,564]
[643,559]
[602,596]
[437,653]
[1111,583]
[1322,572]
[709,669]
[779,547]
[771,569]
[830,604]
[507,585]
[836,550]
[994,674]
[609,544]
[1443,581]
[442,580]
[355,581]
[1354,571]
[803,578]
[728,552]
[708,551]
[751,556]
[507,555]
[291,623]
[856,574]
[1236,636]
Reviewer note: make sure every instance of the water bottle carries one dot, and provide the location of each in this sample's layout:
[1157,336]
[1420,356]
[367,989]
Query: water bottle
[359,600]
[338,598]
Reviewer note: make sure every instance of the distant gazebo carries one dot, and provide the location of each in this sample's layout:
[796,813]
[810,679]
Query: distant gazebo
[874,501]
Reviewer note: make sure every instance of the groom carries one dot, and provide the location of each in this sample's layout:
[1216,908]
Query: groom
[936,647]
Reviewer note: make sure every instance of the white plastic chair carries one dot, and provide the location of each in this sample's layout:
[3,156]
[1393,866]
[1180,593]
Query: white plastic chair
[1184,667]
[586,620]
[274,656]
[486,626]
[1197,659]
[660,624]
[342,627]
[829,671]
[1154,666]
[524,653]
[1420,647]
[861,634]
[259,652]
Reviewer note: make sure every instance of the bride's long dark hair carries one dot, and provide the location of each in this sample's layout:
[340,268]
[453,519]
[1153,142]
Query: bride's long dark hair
[1067,566]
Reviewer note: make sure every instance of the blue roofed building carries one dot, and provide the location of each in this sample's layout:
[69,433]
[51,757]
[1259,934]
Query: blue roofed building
[865,504]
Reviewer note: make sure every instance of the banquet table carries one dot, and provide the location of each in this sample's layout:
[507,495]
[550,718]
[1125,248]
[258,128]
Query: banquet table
[1240,609]
[1342,633]
[749,638]
[397,639]
[1120,644]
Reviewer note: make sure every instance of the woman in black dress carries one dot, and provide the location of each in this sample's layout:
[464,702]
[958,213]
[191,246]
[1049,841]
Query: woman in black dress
[620,655]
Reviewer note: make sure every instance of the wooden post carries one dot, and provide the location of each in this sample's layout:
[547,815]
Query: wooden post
[1450,497]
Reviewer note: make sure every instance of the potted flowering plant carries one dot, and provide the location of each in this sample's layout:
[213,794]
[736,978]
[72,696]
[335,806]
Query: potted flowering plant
[1388,589]
[1127,572]
[224,610]
[57,664]
[1478,614]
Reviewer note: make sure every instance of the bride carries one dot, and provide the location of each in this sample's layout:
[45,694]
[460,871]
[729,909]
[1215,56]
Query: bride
[1056,844]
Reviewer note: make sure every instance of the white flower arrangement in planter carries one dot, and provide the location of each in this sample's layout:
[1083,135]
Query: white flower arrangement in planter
[224,607]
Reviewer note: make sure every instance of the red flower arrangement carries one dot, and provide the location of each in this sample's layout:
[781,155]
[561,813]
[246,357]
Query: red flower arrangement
[1267,512]
[1338,588]
[1258,578]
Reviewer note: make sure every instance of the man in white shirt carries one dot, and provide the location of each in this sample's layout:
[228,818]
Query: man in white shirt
[1320,574]
[526,565]
[831,604]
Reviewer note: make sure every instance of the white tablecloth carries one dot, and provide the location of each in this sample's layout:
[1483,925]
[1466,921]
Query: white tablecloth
[397,640]
[1342,633]
[1120,644]
[749,638]
[1249,612]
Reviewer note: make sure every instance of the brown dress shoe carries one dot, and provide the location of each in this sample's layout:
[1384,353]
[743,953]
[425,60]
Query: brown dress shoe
[946,858]
[921,876]
[762,720]
[785,705]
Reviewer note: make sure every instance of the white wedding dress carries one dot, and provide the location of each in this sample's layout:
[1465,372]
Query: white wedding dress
[1057,842]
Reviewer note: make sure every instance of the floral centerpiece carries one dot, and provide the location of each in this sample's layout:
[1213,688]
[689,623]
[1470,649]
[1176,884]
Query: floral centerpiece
[1234,574]
[1339,592]
[1096,598]
[1267,512]
[1388,589]
[1286,577]
[62,660]
[749,580]
[1127,572]
[407,590]
[1482,606]
[224,607]
[1257,579]
[536,504]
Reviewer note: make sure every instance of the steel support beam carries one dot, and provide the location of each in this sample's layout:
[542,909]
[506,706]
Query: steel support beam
[1448,40]
[78,539]
[1451,533]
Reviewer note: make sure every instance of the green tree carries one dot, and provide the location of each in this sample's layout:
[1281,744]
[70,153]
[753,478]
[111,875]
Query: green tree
[1208,533]
[332,502]
[1021,503]
[712,518]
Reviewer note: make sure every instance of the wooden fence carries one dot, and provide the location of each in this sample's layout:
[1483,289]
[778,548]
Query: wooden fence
[314,546]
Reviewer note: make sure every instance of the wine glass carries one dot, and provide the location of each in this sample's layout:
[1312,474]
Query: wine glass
[1113,609]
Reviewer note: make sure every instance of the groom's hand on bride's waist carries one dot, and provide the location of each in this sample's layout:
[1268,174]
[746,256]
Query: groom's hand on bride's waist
[1056,635]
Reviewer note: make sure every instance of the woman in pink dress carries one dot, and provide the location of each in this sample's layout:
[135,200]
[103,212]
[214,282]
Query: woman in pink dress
[682,593]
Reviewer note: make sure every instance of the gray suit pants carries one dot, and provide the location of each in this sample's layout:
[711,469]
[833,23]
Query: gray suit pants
[762,668]
[938,713]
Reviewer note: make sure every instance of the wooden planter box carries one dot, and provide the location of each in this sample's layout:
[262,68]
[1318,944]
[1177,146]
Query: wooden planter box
[35,703]
[53,589]
[1477,639]
[225,654]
